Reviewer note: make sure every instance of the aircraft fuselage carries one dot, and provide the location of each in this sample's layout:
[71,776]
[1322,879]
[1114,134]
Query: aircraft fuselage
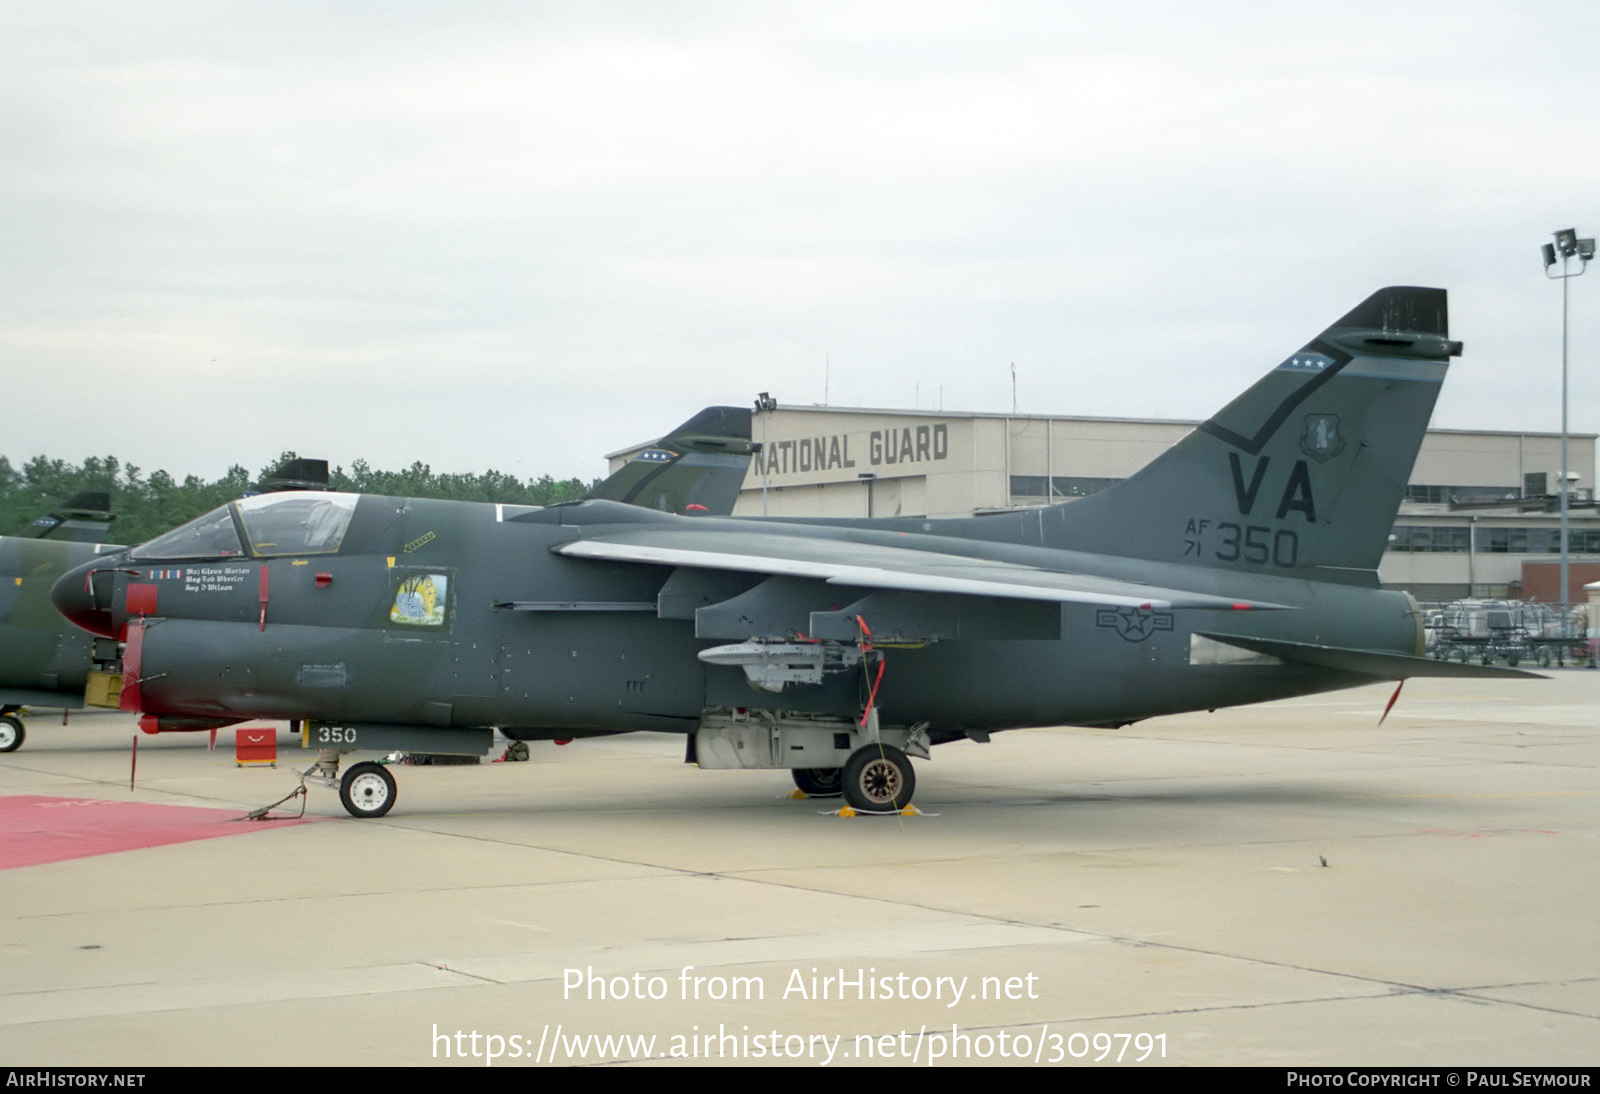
[517,636]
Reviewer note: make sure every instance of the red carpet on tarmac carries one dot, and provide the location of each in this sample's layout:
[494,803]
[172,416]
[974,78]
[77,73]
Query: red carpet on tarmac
[36,830]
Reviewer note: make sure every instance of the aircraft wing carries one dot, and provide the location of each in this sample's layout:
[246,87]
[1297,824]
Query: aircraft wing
[880,566]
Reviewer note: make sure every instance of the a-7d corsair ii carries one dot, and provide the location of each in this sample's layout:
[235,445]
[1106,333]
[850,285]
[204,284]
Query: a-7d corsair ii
[1239,566]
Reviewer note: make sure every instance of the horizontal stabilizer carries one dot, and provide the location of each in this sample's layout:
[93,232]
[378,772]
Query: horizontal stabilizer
[1380,666]
[83,518]
[296,474]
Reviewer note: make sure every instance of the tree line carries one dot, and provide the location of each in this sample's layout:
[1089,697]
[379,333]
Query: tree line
[148,504]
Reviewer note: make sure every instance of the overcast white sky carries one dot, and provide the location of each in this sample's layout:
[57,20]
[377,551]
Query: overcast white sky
[518,235]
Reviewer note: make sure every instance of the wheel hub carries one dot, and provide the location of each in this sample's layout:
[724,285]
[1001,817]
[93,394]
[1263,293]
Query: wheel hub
[880,780]
[369,791]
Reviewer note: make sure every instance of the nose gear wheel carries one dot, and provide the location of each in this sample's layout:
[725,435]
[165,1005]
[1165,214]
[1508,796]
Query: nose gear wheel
[367,790]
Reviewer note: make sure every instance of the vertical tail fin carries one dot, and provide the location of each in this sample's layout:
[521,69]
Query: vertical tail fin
[699,467]
[1302,474]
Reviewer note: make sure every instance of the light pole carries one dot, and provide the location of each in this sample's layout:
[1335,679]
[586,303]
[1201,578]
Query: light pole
[1566,247]
[765,405]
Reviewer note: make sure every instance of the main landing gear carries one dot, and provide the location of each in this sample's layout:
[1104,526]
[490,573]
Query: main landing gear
[819,782]
[877,778]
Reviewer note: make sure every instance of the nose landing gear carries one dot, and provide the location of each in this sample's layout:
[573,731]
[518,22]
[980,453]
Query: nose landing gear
[11,732]
[367,790]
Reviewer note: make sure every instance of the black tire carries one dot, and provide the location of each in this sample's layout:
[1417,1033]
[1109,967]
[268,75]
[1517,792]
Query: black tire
[878,779]
[11,733]
[367,790]
[819,782]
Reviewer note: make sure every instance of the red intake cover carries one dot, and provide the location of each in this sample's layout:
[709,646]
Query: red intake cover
[141,599]
[132,659]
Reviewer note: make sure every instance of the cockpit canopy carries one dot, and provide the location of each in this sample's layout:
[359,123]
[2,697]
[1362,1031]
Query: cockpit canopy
[304,522]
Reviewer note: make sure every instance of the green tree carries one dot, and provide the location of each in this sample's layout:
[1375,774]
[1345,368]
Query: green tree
[148,505]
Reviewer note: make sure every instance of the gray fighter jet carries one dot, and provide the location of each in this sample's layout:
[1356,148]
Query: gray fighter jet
[1239,566]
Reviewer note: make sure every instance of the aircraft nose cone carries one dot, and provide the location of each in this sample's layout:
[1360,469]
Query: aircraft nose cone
[84,597]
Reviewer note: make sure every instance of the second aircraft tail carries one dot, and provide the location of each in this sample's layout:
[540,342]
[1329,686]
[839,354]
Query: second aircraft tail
[698,468]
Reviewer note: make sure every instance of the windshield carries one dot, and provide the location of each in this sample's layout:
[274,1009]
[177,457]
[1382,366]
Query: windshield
[210,536]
